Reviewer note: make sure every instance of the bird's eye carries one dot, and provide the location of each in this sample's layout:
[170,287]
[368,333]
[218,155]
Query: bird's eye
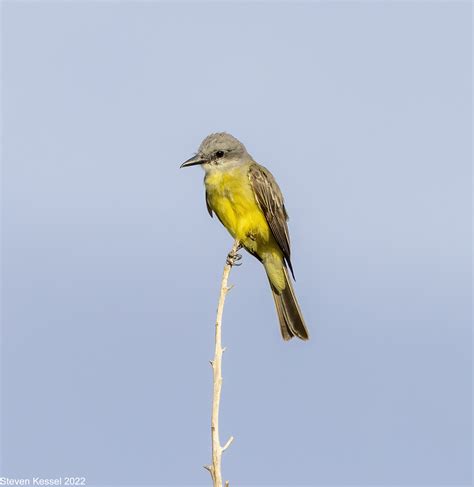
[219,154]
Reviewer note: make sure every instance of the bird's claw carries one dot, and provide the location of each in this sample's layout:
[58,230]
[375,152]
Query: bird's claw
[233,259]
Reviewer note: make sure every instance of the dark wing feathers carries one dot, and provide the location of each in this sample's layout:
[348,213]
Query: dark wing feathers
[209,209]
[269,198]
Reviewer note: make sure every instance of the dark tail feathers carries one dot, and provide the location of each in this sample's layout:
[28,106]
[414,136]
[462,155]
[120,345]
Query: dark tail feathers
[289,313]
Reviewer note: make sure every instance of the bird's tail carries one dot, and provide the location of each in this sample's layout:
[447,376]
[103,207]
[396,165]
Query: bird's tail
[288,310]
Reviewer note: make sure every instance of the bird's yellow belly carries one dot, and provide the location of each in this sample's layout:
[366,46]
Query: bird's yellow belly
[231,197]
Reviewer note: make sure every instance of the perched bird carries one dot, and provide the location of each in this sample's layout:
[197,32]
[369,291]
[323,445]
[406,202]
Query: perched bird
[247,200]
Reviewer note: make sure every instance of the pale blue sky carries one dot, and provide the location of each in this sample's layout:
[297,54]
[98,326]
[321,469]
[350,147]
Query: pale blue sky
[111,265]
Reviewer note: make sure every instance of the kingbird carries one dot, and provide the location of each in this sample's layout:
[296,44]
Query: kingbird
[247,200]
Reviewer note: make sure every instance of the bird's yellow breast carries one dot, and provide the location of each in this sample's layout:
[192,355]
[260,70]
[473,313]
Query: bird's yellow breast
[231,196]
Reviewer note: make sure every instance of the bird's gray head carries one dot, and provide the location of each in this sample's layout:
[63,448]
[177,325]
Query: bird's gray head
[219,150]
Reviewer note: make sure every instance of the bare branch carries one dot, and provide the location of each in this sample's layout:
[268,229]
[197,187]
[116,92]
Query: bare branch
[217,449]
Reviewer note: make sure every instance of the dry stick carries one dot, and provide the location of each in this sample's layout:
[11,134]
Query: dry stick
[217,449]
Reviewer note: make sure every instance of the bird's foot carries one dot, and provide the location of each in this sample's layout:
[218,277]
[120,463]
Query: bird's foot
[233,258]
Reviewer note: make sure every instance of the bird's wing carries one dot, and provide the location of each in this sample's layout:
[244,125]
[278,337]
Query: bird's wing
[270,200]
[209,209]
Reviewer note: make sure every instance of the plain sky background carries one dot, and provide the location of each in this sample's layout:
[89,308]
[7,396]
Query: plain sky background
[112,266]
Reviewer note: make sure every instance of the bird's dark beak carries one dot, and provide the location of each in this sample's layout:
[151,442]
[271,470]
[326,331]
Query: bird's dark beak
[193,161]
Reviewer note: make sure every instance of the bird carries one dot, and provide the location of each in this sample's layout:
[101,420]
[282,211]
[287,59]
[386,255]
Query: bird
[248,202]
